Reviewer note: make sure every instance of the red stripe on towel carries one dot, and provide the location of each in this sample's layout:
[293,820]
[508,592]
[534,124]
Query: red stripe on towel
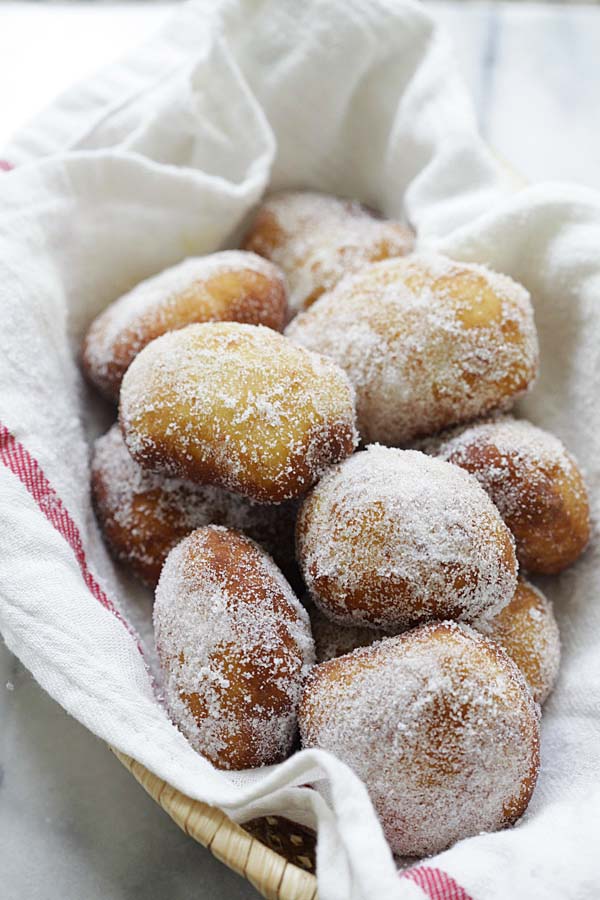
[15,457]
[5,166]
[437,884]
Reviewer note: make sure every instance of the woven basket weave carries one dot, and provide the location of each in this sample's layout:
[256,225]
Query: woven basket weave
[275,855]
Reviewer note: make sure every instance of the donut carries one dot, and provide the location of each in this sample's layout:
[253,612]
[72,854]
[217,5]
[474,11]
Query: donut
[535,483]
[230,286]
[316,239]
[234,646]
[391,538]
[239,406]
[332,639]
[426,342]
[144,515]
[440,726]
[527,630]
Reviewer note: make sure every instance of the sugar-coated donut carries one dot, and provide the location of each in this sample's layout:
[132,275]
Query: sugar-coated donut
[144,515]
[316,239]
[390,538]
[527,630]
[426,342]
[234,645]
[239,406]
[440,726]
[227,286]
[332,639]
[535,483]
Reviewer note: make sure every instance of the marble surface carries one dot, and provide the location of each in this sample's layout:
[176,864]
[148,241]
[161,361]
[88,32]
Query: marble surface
[533,72]
[74,824]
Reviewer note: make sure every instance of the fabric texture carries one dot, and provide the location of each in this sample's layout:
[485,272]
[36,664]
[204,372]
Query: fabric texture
[165,155]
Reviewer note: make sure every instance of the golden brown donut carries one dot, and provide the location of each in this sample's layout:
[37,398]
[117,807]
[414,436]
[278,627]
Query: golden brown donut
[527,630]
[239,406]
[391,538]
[234,646]
[439,725]
[426,342]
[144,515]
[316,239]
[228,286]
[535,483]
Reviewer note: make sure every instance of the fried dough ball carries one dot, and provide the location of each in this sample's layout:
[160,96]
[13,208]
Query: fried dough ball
[228,286]
[332,639]
[144,515]
[391,538]
[426,342]
[527,630]
[535,483]
[234,645]
[316,239]
[440,726]
[239,406]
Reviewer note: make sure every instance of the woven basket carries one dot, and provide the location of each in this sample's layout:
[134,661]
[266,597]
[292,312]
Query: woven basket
[275,855]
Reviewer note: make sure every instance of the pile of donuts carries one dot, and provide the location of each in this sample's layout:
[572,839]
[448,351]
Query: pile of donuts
[316,469]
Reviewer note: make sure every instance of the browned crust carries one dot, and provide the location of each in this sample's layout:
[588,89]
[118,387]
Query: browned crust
[267,237]
[145,541]
[157,518]
[250,673]
[236,295]
[439,762]
[531,641]
[551,522]
[375,597]
[331,444]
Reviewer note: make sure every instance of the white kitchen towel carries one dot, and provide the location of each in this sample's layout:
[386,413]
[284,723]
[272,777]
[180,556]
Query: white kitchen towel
[165,155]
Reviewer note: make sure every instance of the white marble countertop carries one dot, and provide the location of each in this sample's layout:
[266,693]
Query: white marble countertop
[73,822]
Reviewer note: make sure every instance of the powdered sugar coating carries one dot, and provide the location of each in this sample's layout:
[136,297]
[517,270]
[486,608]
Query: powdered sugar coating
[144,515]
[391,538]
[235,647]
[230,285]
[527,630]
[317,239]
[440,726]
[535,483]
[239,406]
[426,342]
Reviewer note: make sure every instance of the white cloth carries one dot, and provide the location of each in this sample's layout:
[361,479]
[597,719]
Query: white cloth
[163,156]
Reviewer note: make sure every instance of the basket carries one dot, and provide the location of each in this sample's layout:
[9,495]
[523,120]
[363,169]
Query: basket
[275,855]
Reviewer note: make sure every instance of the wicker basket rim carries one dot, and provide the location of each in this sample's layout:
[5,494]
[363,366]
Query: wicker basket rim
[273,876]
